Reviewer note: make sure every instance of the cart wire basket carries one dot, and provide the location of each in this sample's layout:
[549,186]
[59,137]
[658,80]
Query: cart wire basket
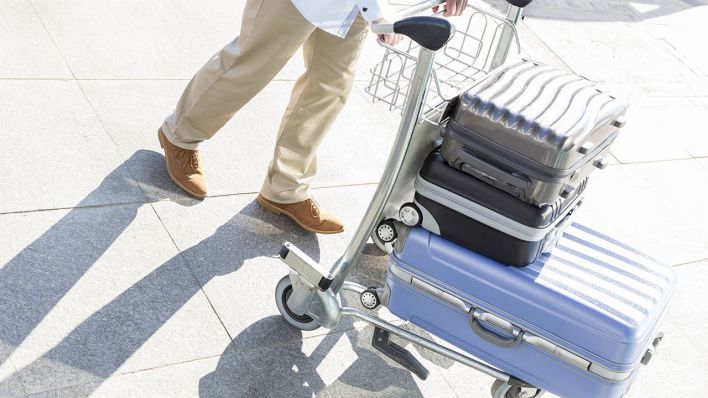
[481,42]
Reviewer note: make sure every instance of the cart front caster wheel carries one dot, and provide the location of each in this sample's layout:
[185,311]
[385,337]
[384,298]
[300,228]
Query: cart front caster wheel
[501,389]
[282,294]
[410,215]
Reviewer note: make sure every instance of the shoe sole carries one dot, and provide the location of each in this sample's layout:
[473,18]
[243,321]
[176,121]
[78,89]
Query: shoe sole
[279,211]
[187,191]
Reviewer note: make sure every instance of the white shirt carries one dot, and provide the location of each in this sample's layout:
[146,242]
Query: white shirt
[337,16]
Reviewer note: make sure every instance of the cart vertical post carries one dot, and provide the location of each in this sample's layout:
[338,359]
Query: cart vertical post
[506,36]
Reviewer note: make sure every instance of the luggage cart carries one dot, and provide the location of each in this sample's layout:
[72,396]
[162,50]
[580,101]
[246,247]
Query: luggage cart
[420,80]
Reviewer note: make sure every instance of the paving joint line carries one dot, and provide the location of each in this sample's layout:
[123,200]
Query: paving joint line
[61,54]
[191,271]
[692,262]
[654,161]
[549,48]
[121,374]
[168,200]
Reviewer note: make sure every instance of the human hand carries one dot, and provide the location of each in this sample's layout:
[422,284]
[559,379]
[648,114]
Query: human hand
[390,39]
[453,7]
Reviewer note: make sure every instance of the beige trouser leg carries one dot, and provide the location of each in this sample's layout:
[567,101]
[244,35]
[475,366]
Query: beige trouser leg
[271,32]
[317,99]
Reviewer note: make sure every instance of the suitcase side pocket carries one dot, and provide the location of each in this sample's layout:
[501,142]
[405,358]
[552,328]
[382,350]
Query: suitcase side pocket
[473,165]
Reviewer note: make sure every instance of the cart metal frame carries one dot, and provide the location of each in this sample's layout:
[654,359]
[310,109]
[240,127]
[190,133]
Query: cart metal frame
[309,297]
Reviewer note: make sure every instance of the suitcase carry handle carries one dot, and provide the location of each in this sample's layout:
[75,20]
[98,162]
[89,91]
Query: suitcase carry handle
[470,160]
[476,315]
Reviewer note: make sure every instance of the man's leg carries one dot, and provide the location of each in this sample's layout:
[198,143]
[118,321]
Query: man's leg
[271,32]
[317,99]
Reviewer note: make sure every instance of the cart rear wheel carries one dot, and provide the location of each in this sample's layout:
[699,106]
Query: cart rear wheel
[501,389]
[282,294]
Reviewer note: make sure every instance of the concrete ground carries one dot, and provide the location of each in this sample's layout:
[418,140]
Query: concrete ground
[112,283]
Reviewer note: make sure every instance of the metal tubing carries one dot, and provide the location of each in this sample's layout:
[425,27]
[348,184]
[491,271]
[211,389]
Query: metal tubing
[420,7]
[435,347]
[513,15]
[353,287]
[411,114]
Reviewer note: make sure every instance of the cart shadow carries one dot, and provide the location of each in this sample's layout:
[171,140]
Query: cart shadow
[37,278]
[271,359]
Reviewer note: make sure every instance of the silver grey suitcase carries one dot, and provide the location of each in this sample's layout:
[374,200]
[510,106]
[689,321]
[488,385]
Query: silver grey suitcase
[532,130]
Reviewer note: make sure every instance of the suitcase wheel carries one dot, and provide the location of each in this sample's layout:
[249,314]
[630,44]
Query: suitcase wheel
[370,298]
[501,389]
[410,214]
[386,231]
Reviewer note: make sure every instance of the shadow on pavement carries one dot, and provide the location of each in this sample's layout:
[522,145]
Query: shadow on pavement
[607,10]
[39,276]
[271,359]
[259,361]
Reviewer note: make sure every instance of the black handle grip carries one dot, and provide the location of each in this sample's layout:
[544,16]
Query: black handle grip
[430,32]
[519,3]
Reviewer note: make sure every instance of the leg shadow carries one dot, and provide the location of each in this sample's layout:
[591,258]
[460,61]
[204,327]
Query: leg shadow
[34,280]
[95,349]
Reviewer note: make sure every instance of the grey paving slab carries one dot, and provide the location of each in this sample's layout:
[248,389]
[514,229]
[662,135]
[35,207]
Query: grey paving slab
[132,39]
[607,10]
[10,386]
[101,291]
[532,47]
[26,49]
[56,145]
[655,207]
[236,159]
[683,31]
[610,51]
[232,247]
[177,380]
[660,133]
[703,162]
[335,365]
[340,364]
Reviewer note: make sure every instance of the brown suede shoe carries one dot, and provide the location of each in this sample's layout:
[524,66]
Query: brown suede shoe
[184,168]
[306,214]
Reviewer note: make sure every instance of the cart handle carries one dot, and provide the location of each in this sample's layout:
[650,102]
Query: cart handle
[430,32]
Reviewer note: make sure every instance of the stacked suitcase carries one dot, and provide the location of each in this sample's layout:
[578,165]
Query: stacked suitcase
[487,270]
[517,152]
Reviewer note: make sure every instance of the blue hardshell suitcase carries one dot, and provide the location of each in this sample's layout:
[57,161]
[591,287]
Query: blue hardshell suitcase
[578,322]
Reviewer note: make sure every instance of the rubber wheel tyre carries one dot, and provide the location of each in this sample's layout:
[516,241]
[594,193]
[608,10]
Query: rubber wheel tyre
[282,293]
[501,389]
[410,214]
[386,231]
[384,247]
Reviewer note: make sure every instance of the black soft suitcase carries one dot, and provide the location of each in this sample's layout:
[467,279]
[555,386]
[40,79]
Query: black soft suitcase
[532,130]
[476,215]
